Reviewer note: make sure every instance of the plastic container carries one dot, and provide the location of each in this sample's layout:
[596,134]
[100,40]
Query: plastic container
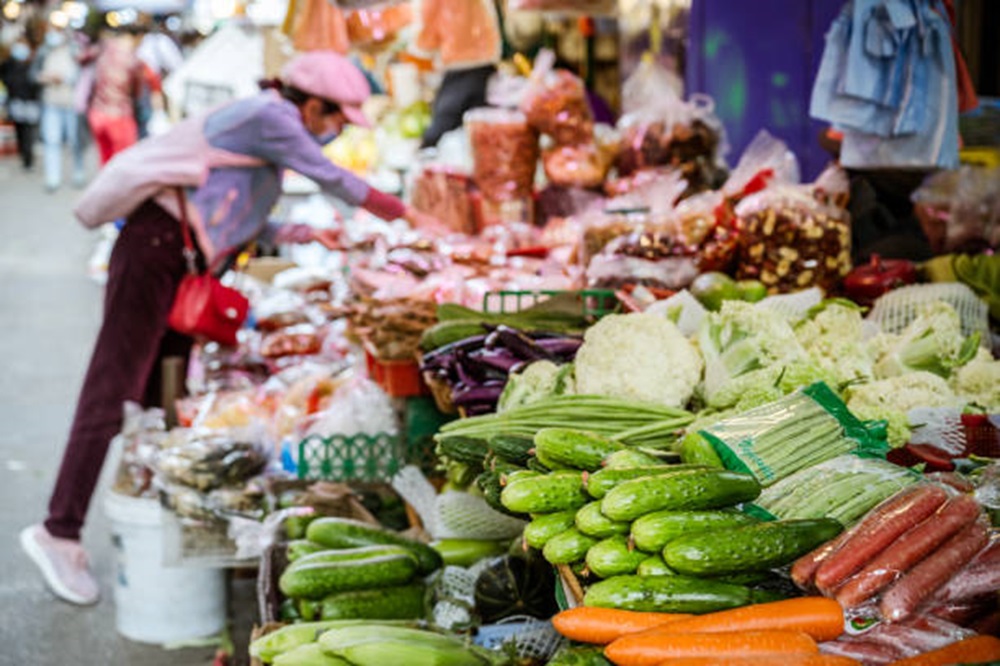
[155,603]
[398,378]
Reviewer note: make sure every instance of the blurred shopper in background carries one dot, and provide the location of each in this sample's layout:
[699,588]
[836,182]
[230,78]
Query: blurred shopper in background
[118,81]
[24,107]
[58,74]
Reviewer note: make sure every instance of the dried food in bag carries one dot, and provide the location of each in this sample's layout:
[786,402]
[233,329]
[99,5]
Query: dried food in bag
[790,241]
[504,153]
[207,459]
[445,195]
[556,105]
[584,165]
[302,340]
[378,24]
[960,210]
[460,31]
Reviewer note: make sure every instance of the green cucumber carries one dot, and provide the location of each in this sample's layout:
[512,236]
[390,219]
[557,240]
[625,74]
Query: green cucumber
[568,547]
[287,638]
[542,528]
[289,611]
[630,458]
[695,449]
[654,566]
[574,448]
[402,602]
[666,594]
[466,552]
[301,547]
[599,483]
[468,450]
[557,491]
[511,477]
[491,485]
[655,530]
[315,580]
[613,557]
[308,608]
[447,332]
[335,555]
[347,533]
[592,522]
[688,489]
[310,654]
[536,465]
[579,655]
[748,548]
[513,449]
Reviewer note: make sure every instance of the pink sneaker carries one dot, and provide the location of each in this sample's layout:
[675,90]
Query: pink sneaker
[63,563]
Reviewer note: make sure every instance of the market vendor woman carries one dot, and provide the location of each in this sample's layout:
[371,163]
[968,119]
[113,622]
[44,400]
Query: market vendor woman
[320,93]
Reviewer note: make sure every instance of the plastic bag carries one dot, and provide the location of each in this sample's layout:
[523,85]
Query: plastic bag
[556,104]
[585,165]
[300,340]
[765,161]
[587,7]
[960,210]
[206,459]
[611,271]
[791,241]
[651,88]
[504,153]
[772,442]
[357,408]
[378,24]
[316,25]
[142,434]
[446,195]
[462,32]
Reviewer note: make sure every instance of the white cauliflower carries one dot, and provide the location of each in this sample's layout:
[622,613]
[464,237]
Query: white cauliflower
[833,336]
[978,382]
[638,356]
[933,342]
[891,399]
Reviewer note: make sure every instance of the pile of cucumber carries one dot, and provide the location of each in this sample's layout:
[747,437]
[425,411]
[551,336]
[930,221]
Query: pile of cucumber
[348,569]
[660,537]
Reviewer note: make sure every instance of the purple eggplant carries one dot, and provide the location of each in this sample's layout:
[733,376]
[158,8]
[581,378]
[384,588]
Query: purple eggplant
[498,359]
[464,395]
[468,344]
[560,346]
[521,345]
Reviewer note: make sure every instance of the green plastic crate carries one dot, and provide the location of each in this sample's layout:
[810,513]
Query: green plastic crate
[353,458]
[595,302]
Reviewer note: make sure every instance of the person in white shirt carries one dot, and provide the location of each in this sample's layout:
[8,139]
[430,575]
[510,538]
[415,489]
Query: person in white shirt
[58,75]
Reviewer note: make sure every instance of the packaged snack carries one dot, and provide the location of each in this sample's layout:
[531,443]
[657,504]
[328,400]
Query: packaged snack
[556,104]
[584,165]
[445,195]
[504,153]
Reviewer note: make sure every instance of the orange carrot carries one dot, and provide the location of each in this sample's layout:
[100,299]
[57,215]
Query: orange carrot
[821,618]
[653,647]
[975,650]
[590,624]
[773,660]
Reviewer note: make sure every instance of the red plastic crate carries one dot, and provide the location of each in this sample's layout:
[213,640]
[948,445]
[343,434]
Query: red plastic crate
[400,379]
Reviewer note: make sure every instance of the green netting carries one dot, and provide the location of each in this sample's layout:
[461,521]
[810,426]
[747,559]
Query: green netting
[595,302]
[354,458]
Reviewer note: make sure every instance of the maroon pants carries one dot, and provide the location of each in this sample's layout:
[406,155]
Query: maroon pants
[146,267]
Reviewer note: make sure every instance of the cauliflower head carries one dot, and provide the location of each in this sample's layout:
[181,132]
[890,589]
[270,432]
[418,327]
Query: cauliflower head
[833,336]
[638,356]
[978,382]
[891,399]
[933,342]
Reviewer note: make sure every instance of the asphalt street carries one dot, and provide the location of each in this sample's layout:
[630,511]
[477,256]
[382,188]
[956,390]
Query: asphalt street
[49,314]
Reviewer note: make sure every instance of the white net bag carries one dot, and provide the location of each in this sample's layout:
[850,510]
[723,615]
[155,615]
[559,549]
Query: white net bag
[532,638]
[940,427]
[795,305]
[894,311]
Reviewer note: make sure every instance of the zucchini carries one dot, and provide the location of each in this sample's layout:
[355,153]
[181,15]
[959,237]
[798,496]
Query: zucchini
[687,489]
[666,594]
[574,448]
[310,654]
[748,548]
[511,448]
[402,602]
[301,547]
[347,533]
[466,552]
[630,458]
[318,579]
[614,557]
[544,527]
[592,522]
[557,491]
[468,450]
[655,530]
[568,547]
[599,483]
[654,566]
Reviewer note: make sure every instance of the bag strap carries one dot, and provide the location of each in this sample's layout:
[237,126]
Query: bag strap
[189,253]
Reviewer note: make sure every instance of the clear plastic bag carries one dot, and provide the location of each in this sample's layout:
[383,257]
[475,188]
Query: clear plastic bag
[504,152]
[555,104]
[445,195]
[207,459]
[587,7]
[766,160]
[790,241]
[800,430]
[584,165]
[960,210]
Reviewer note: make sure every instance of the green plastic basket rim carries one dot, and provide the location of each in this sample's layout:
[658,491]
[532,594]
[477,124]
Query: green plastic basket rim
[605,301]
[366,467]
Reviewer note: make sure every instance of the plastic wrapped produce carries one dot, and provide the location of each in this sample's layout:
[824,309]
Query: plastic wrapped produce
[790,241]
[556,104]
[504,152]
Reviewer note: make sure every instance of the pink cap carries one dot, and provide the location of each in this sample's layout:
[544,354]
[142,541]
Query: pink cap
[330,76]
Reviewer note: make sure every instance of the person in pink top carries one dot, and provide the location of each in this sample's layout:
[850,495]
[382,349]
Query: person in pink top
[117,82]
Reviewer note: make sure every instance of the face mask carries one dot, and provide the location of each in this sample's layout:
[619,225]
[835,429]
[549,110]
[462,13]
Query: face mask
[326,137]
[20,52]
[54,39]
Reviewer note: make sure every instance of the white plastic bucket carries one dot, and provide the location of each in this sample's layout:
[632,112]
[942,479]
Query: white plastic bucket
[155,603]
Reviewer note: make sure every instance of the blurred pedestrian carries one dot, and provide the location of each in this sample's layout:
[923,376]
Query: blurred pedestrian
[24,107]
[58,74]
[118,78]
